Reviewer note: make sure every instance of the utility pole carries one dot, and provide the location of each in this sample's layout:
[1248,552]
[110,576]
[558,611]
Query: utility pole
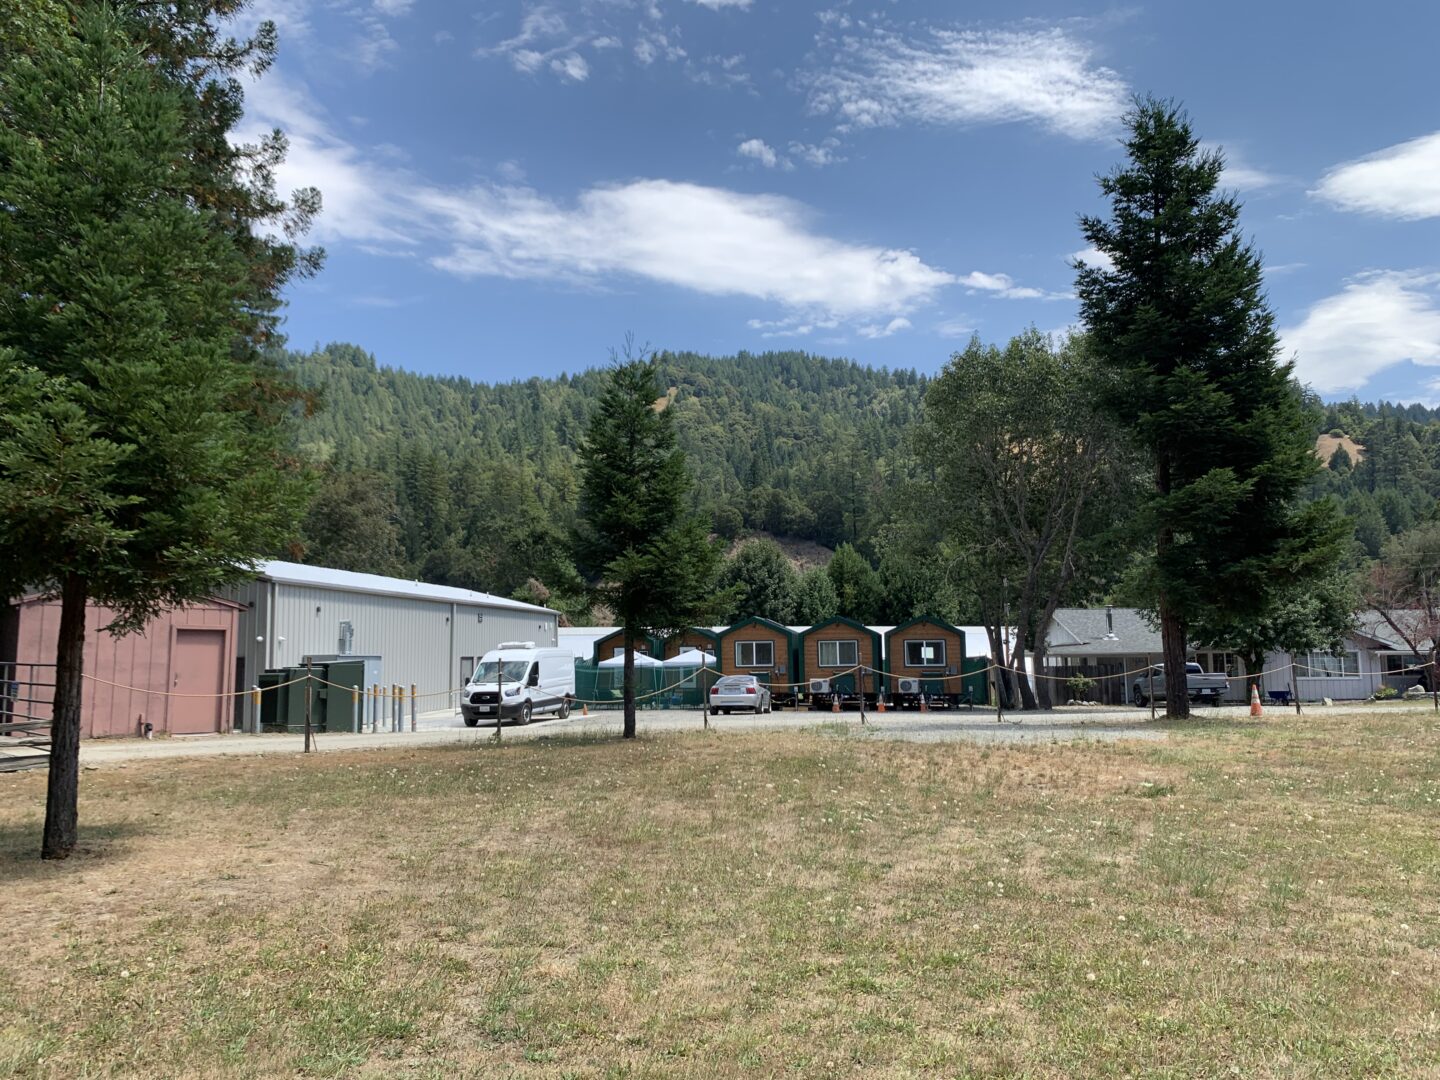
[309,690]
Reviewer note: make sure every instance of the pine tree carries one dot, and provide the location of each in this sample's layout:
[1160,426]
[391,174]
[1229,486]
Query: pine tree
[654,563]
[141,459]
[1181,321]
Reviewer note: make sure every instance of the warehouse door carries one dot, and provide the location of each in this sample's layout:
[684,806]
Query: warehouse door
[197,668]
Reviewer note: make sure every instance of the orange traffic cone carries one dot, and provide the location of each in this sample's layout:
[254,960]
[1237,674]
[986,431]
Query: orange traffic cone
[584,709]
[1255,707]
[924,704]
[879,704]
[834,702]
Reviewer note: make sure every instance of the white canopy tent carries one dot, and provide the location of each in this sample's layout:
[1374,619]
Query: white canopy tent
[641,661]
[691,658]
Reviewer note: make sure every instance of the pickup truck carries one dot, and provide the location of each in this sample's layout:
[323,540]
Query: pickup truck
[1199,684]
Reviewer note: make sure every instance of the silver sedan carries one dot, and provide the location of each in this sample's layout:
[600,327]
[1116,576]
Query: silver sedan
[739,692]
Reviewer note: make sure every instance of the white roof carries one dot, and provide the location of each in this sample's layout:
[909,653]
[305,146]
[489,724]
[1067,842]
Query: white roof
[581,639]
[323,577]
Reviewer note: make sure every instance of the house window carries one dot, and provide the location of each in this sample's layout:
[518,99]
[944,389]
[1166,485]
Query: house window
[836,654]
[756,654]
[1325,666]
[924,653]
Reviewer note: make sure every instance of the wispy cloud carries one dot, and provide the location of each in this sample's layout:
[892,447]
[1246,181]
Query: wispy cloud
[1401,181]
[969,77]
[876,330]
[393,8]
[1004,286]
[1092,256]
[954,328]
[717,5]
[759,150]
[572,66]
[1239,172]
[705,239]
[1379,319]
[825,152]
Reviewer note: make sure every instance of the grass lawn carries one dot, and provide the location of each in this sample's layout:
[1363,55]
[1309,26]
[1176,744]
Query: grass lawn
[1242,899]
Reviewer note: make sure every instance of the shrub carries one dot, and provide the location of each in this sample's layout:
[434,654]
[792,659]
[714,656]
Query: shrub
[1337,433]
[1386,693]
[1080,687]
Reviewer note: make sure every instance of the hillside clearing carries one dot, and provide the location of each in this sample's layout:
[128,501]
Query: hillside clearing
[1251,899]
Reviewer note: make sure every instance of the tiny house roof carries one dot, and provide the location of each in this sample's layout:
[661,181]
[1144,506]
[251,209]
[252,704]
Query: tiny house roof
[842,620]
[323,577]
[757,620]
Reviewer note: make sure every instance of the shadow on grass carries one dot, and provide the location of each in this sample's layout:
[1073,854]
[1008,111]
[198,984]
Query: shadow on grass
[20,846]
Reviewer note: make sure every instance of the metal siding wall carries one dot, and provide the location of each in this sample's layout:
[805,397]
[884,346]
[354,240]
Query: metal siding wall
[413,636]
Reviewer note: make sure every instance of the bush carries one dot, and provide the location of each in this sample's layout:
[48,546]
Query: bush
[1337,433]
[1080,687]
[1386,693]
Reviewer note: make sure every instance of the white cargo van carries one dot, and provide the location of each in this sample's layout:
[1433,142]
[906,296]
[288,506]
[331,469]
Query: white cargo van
[519,681]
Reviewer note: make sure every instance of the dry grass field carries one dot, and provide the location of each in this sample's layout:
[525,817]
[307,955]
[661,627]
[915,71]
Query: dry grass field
[1243,899]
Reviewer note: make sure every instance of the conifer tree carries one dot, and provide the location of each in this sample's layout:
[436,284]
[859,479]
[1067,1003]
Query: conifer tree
[654,564]
[1181,320]
[141,460]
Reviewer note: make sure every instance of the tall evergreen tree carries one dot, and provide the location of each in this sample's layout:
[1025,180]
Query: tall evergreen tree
[1181,320]
[762,582]
[141,459]
[654,564]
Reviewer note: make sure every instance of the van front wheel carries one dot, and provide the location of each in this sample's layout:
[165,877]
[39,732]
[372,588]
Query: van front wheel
[525,713]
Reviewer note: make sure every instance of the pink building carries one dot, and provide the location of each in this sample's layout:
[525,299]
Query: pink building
[188,653]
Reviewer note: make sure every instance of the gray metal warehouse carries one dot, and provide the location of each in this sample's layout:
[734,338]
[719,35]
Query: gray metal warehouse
[426,635]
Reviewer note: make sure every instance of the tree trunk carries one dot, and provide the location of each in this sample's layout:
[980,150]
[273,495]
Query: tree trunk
[1172,623]
[1172,642]
[1027,692]
[629,732]
[62,794]
[1042,684]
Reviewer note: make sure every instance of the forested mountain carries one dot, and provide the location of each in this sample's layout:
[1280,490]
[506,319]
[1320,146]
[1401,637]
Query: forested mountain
[473,484]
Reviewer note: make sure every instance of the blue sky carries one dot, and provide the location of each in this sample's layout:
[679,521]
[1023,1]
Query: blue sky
[512,188]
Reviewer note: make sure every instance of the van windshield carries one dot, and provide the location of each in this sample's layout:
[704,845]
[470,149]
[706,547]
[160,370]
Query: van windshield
[510,670]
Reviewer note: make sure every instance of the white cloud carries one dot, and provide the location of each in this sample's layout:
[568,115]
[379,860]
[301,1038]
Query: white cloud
[960,327]
[875,330]
[571,66]
[1401,181]
[654,44]
[760,151]
[1239,173]
[1093,257]
[1003,285]
[970,77]
[818,154]
[716,5]
[605,41]
[705,239]
[393,8]
[442,36]
[1379,319]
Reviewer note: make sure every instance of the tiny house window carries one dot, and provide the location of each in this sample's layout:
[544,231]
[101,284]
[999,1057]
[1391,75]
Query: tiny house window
[925,653]
[758,654]
[835,654]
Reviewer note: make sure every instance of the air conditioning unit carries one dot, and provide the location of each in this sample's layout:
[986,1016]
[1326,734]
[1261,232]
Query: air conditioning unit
[819,686]
[908,686]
